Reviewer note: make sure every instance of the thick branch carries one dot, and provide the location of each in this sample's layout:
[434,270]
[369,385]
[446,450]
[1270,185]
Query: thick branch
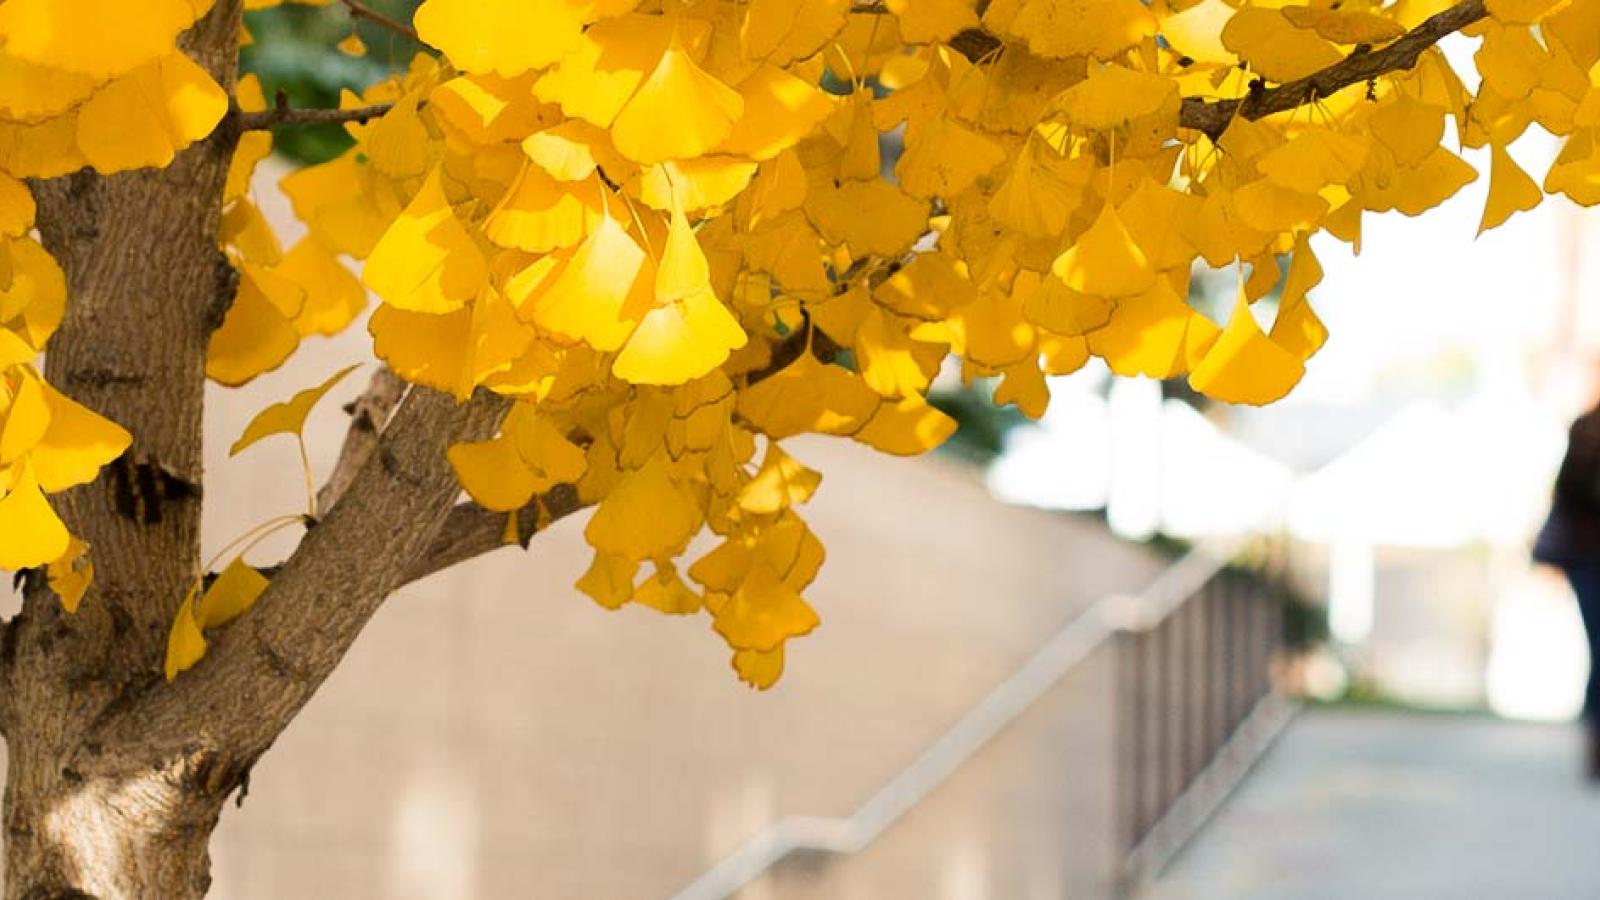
[471,531]
[283,116]
[262,669]
[368,416]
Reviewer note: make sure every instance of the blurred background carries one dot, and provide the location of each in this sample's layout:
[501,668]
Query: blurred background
[1149,644]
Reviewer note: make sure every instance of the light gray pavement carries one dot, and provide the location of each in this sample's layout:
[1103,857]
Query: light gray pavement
[1373,804]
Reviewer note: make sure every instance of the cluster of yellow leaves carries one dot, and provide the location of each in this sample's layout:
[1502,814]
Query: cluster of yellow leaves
[48,442]
[677,232]
[646,220]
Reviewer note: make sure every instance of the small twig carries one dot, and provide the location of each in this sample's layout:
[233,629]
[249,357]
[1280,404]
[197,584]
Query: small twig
[368,415]
[1364,64]
[283,117]
[359,10]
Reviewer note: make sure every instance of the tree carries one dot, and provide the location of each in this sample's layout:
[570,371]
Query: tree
[619,246]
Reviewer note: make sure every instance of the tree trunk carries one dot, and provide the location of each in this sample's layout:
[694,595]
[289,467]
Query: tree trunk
[69,836]
[147,285]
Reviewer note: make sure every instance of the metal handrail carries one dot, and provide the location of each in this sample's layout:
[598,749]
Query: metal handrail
[1071,645]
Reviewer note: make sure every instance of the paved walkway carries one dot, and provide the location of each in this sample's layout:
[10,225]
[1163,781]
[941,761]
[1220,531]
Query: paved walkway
[1363,804]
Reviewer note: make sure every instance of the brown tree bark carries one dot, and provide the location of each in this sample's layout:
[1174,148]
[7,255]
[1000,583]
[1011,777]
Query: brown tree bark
[115,777]
[147,286]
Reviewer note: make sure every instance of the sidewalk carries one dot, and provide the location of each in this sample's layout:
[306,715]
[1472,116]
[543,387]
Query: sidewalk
[1367,804]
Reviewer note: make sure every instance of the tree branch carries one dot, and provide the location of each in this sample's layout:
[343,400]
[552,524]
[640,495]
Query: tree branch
[359,10]
[283,117]
[260,671]
[471,531]
[368,415]
[1213,116]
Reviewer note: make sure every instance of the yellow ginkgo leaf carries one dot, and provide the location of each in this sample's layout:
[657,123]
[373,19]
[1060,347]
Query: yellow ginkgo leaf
[16,207]
[646,516]
[679,341]
[779,110]
[1297,328]
[695,184]
[505,36]
[426,262]
[145,117]
[14,350]
[666,593]
[540,214]
[679,112]
[931,286]
[1314,159]
[782,31]
[493,473]
[906,427]
[253,147]
[609,580]
[889,361]
[1268,207]
[258,333]
[809,395]
[423,348]
[1067,28]
[613,57]
[587,298]
[1024,386]
[353,45]
[289,416]
[1196,32]
[928,21]
[1274,47]
[570,151]
[101,38]
[30,92]
[764,612]
[1576,170]
[34,533]
[945,158]
[71,575]
[46,149]
[1105,262]
[1409,127]
[186,643]
[76,445]
[1053,306]
[760,670]
[334,296]
[873,217]
[1154,334]
[683,269]
[35,298]
[1114,95]
[1246,366]
[781,483]
[231,595]
[1511,190]
[1344,26]
[27,420]
[546,450]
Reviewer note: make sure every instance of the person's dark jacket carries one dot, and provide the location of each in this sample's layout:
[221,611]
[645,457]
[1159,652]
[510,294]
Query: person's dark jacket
[1571,534]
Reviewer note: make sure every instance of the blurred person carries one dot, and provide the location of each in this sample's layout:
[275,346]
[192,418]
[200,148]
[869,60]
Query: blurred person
[1570,541]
